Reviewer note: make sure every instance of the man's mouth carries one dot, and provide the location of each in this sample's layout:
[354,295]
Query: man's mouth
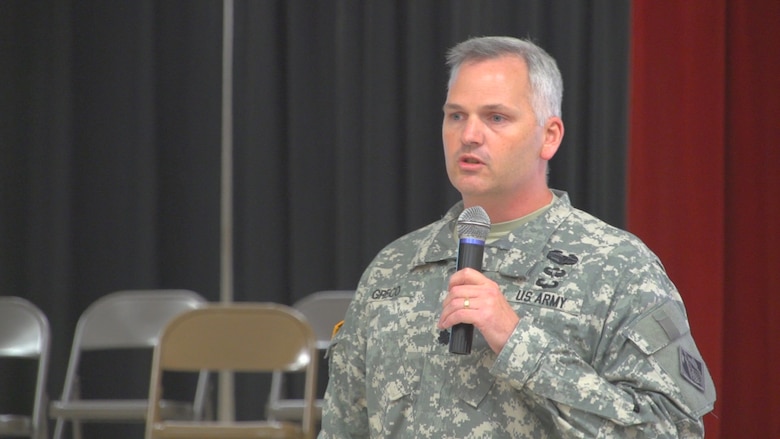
[470,160]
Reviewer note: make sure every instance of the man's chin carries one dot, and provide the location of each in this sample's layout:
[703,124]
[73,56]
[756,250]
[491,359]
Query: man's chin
[471,187]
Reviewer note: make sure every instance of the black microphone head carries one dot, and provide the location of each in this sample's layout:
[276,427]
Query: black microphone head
[474,222]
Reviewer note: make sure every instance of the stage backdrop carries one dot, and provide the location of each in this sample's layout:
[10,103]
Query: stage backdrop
[110,133]
[110,155]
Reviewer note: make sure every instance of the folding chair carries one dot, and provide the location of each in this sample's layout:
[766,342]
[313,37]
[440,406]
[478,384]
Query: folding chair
[240,337]
[129,319]
[323,310]
[24,333]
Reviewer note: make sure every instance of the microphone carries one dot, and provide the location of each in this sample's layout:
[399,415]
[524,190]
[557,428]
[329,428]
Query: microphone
[473,229]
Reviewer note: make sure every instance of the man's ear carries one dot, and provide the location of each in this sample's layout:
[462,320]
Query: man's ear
[553,135]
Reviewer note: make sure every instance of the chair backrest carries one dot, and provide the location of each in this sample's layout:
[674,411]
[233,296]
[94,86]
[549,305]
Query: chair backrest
[131,318]
[24,333]
[240,337]
[24,329]
[323,310]
[122,320]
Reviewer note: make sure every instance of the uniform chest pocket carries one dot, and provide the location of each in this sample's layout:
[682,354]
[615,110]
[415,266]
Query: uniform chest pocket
[397,393]
[402,378]
[474,386]
[416,380]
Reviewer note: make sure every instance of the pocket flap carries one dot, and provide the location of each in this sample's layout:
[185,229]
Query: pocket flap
[659,328]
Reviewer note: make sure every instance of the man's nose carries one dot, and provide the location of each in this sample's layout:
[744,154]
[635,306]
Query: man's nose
[473,132]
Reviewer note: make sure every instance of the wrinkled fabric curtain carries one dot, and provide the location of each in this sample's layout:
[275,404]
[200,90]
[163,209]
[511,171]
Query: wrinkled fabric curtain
[704,190]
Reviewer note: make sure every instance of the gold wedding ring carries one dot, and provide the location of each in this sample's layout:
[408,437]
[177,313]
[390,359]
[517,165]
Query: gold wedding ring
[466,303]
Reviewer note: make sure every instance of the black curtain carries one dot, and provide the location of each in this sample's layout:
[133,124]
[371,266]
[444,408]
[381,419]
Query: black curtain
[110,135]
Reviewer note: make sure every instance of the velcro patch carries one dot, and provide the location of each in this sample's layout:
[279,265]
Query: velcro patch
[692,369]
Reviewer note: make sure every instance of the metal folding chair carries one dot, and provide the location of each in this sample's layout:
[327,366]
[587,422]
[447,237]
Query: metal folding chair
[129,319]
[240,337]
[24,333]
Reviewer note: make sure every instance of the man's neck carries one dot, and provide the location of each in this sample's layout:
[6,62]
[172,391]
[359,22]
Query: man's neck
[502,210]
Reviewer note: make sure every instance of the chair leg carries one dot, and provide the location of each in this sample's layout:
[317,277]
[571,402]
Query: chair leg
[58,427]
[42,432]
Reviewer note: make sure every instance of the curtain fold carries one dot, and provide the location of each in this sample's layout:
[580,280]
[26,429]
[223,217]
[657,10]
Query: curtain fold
[752,317]
[676,183]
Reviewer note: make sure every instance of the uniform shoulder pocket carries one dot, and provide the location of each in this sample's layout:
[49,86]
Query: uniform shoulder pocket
[664,335]
[659,328]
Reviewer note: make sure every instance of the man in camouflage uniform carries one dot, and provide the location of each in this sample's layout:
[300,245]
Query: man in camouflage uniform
[579,331]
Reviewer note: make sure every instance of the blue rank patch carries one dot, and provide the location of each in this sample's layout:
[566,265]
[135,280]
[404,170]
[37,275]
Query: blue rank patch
[692,369]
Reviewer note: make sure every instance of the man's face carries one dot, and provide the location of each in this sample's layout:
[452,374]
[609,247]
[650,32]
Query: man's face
[493,144]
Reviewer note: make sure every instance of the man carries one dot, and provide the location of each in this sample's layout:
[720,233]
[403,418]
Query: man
[579,331]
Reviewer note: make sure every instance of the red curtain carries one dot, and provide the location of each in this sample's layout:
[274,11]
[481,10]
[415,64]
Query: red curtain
[704,187]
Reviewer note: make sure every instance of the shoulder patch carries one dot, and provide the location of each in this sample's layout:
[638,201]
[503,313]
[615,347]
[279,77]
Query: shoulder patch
[692,369]
[336,328]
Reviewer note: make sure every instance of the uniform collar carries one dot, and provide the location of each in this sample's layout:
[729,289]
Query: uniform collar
[515,249]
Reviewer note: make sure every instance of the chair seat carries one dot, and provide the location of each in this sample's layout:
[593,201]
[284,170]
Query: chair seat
[222,430]
[292,409]
[15,425]
[125,410]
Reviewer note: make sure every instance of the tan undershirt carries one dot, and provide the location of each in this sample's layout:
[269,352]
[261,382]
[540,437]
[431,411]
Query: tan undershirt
[499,230]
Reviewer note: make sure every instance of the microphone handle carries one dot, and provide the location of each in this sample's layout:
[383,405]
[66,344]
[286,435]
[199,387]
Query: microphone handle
[470,253]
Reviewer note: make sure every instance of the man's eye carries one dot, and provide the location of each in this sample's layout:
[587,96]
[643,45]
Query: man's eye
[456,116]
[497,118]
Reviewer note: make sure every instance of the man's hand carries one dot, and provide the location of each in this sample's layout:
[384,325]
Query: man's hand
[475,299]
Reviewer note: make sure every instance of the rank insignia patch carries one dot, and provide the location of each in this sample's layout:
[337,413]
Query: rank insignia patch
[692,369]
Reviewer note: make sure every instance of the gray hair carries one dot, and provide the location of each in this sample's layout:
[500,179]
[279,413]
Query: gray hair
[543,74]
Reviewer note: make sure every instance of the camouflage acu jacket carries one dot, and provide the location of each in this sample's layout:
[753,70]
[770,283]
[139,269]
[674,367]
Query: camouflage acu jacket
[603,347]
